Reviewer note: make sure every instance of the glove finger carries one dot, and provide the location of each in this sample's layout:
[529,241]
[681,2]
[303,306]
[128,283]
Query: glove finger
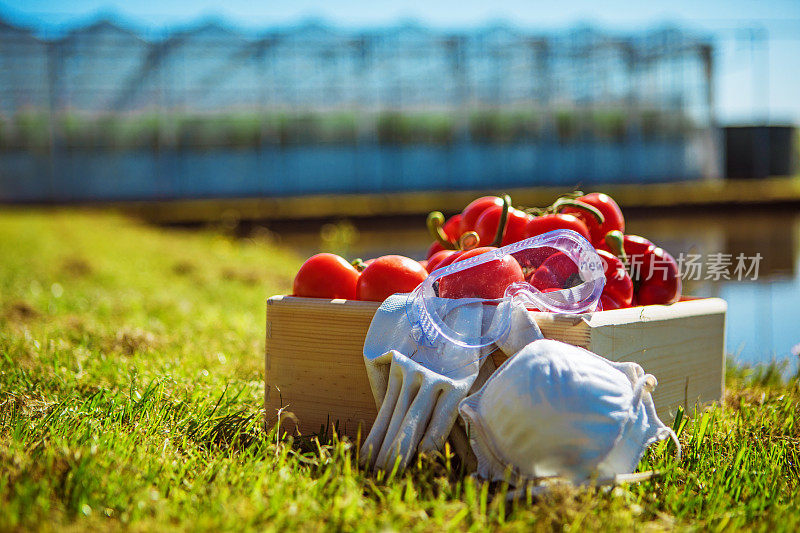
[414,424]
[444,416]
[377,434]
[411,381]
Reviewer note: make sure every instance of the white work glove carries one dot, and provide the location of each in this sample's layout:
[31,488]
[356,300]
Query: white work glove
[416,414]
[418,403]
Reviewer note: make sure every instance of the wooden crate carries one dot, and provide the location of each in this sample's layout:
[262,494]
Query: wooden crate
[315,368]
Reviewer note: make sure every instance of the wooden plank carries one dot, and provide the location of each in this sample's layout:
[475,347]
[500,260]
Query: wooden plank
[571,329]
[314,362]
[682,345]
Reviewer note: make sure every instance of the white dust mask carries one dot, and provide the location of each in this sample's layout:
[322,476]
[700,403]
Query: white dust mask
[554,409]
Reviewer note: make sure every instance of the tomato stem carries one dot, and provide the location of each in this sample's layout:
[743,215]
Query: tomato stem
[435,222]
[536,211]
[571,202]
[358,264]
[468,241]
[501,226]
[567,200]
[615,240]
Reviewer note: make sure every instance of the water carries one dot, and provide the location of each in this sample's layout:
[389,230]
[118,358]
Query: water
[762,322]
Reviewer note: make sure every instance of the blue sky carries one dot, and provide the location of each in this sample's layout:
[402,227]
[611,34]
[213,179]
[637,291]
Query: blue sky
[755,80]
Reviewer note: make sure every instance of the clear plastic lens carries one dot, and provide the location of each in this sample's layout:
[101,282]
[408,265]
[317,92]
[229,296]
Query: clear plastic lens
[468,303]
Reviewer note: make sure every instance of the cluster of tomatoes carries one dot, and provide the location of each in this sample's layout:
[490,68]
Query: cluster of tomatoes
[331,276]
[637,271]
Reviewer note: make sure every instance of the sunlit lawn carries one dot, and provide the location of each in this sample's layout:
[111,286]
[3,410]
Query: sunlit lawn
[131,389]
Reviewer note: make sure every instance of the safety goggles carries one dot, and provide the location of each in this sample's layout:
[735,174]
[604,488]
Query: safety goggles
[468,303]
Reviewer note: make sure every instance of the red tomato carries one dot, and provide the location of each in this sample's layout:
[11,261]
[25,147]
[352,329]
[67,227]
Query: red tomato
[653,270]
[533,258]
[544,223]
[437,258]
[388,275]
[470,214]
[516,224]
[562,266]
[557,271]
[619,286]
[452,228]
[434,248]
[488,280]
[635,247]
[448,260]
[326,276]
[607,303]
[659,279]
[544,279]
[474,252]
[516,227]
[486,225]
[611,213]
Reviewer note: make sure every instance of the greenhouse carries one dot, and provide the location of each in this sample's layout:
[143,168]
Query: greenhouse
[399,108]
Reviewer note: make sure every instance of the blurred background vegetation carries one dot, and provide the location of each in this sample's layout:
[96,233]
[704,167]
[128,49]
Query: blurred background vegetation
[30,130]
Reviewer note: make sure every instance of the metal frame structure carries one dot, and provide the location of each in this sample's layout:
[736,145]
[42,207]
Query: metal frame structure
[105,68]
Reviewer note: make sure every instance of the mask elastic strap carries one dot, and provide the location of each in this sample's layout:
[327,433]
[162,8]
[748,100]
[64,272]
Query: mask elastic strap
[668,432]
[641,392]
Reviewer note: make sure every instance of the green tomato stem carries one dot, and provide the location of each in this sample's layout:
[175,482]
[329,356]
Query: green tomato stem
[501,227]
[535,211]
[435,222]
[468,241]
[570,202]
[615,240]
[358,264]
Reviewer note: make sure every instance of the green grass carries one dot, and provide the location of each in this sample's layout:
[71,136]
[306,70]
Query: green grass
[131,389]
